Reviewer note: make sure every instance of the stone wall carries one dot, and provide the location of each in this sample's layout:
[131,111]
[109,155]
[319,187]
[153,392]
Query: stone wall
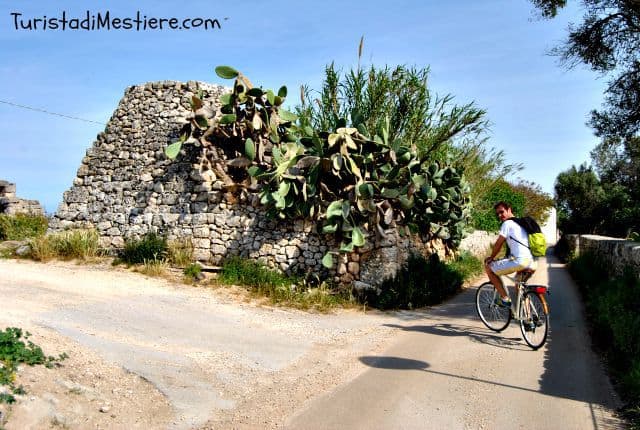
[126,187]
[11,204]
[478,242]
[617,253]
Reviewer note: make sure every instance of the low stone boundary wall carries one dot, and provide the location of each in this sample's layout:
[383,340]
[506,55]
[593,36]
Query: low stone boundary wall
[617,253]
[478,242]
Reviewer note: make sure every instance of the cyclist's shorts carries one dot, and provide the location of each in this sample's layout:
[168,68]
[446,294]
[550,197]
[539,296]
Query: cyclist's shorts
[510,265]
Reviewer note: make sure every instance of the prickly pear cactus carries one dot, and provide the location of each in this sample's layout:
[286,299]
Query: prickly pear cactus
[351,182]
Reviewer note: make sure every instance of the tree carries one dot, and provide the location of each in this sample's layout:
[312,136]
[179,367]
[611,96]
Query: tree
[484,215]
[536,202]
[417,117]
[617,162]
[526,198]
[580,200]
[608,41]
[436,127]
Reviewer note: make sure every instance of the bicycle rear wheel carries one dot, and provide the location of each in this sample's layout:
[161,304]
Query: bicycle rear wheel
[534,320]
[495,317]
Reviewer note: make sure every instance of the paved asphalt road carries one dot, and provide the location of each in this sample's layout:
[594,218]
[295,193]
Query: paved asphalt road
[449,372]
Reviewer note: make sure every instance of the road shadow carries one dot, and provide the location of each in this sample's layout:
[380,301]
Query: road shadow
[473,332]
[571,369]
[461,306]
[394,363]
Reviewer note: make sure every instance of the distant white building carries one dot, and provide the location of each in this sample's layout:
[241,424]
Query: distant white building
[550,229]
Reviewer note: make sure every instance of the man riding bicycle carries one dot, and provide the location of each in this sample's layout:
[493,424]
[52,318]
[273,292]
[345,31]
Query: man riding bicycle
[518,256]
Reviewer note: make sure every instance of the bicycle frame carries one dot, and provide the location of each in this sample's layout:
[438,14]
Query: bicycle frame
[529,308]
[520,282]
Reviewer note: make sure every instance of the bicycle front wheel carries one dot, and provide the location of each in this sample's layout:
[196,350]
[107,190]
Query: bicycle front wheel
[534,320]
[496,317]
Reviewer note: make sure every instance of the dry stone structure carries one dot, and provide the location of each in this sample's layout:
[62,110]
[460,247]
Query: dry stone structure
[126,187]
[618,254]
[11,204]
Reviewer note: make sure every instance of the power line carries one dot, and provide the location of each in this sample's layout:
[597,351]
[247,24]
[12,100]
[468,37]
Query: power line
[50,113]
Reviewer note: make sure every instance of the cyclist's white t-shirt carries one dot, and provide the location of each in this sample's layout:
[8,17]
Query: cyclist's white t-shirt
[510,230]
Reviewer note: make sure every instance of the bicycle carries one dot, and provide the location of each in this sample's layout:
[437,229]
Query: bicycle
[531,309]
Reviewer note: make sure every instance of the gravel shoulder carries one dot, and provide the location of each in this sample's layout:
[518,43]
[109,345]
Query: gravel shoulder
[148,353]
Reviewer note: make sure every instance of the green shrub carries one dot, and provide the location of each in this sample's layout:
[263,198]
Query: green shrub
[152,247]
[22,226]
[613,310]
[422,282]
[80,244]
[280,288]
[467,265]
[76,244]
[14,351]
[192,271]
[484,217]
[253,274]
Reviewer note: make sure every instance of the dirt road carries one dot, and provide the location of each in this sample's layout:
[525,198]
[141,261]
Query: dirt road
[145,353]
[448,371]
[151,354]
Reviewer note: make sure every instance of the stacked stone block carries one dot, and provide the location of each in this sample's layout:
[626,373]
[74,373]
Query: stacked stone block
[126,187]
[10,204]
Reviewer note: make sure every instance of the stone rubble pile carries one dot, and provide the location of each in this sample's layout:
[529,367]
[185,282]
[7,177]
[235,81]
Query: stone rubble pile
[10,204]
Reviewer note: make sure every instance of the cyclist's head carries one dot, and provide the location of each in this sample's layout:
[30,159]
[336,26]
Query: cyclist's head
[502,204]
[503,210]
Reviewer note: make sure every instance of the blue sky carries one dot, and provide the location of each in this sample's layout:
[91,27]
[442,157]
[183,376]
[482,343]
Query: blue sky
[492,52]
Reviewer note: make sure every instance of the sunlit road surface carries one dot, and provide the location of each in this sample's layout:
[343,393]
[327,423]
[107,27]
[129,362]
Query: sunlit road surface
[448,371]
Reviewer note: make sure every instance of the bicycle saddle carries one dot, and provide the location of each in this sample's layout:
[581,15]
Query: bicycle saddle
[525,274]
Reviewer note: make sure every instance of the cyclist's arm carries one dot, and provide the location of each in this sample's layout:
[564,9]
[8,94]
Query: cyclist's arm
[496,249]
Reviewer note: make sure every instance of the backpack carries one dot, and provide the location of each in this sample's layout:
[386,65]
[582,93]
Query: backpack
[537,242]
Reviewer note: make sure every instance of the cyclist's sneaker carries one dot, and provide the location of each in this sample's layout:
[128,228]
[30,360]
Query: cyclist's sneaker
[505,303]
[537,322]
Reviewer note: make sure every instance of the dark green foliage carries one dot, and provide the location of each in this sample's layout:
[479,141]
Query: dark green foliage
[422,282]
[360,174]
[467,265]
[253,274]
[617,163]
[14,351]
[192,271]
[580,200]
[609,205]
[549,8]
[484,217]
[536,202]
[613,308]
[152,247]
[416,116]
[561,249]
[608,41]
[22,226]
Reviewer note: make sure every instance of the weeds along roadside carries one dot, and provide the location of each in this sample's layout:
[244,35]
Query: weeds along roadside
[612,305]
[422,282]
[16,349]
